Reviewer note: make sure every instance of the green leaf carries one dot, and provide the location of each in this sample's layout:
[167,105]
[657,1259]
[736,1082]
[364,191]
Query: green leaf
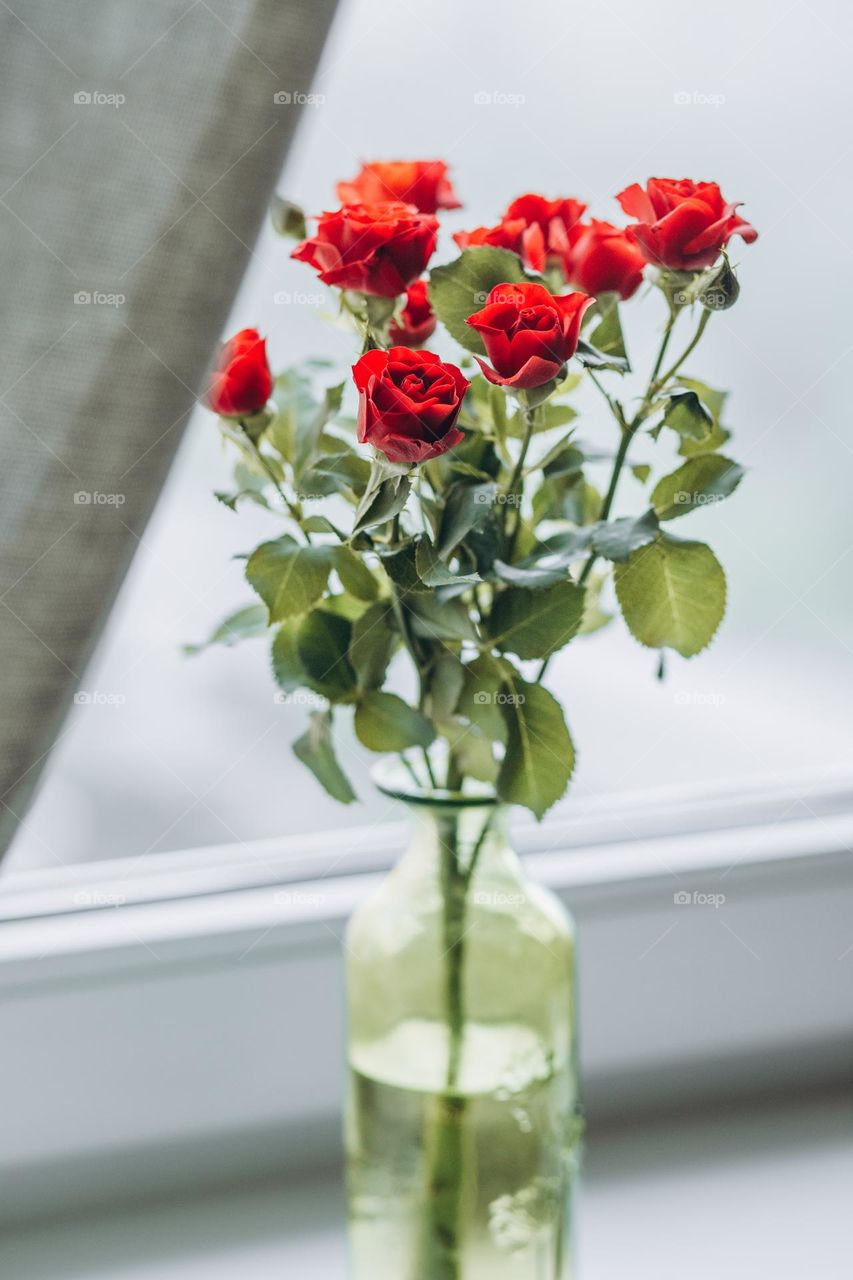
[594,617]
[296,404]
[699,482]
[287,218]
[384,722]
[607,337]
[354,574]
[714,401]
[286,665]
[445,686]
[288,577]
[672,594]
[433,572]
[342,472]
[641,471]
[309,430]
[563,460]
[243,624]
[384,498]
[530,573]
[315,750]
[616,540]
[687,416]
[540,756]
[372,645]
[322,643]
[468,506]
[567,497]
[401,566]
[536,624]
[433,619]
[591,358]
[549,415]
[479,699]
[460,289]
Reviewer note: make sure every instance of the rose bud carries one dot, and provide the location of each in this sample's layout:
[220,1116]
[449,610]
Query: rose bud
[423,183]
[682,225]
[528,334]
[604,259]
[408,403]
[241,382]
[416,322]
[533,227]
[371,248]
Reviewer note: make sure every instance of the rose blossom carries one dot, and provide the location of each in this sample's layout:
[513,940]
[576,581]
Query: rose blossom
[533,227]
[408,403]
[604,259]
[371,248]
[528,333]
[241,382]
[423,183]
[681,224]
[416,321]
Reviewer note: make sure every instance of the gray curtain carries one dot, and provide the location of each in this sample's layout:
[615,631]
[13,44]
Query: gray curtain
[140,145]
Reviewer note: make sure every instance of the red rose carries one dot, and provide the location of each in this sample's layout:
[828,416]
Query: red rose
[604,259]
[423,183]
[408,403]
[533,227]
[372,248]
[528,334]
[416,321]
[241,382]
[681,224]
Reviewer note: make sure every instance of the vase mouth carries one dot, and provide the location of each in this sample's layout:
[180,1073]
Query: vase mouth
[399,780]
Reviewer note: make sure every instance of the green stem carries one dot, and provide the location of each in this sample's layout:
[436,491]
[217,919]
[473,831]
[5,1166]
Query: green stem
[293,510]
[514,488]
[667,334]
[658,383]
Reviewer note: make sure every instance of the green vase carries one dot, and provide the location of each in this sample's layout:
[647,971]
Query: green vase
[463,1121]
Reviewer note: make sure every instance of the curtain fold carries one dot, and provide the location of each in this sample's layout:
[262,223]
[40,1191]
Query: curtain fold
[141,144]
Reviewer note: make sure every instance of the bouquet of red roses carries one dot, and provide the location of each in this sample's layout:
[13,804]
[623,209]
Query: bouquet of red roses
[453,517]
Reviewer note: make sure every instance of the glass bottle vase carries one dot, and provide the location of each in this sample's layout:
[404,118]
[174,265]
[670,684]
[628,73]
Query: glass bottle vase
[462,1120]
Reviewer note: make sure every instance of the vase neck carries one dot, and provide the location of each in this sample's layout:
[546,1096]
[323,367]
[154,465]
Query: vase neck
[470,839]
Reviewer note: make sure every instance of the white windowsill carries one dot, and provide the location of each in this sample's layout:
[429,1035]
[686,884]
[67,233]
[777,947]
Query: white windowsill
[198,1028]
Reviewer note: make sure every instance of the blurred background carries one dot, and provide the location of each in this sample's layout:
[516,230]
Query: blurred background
[166,752]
